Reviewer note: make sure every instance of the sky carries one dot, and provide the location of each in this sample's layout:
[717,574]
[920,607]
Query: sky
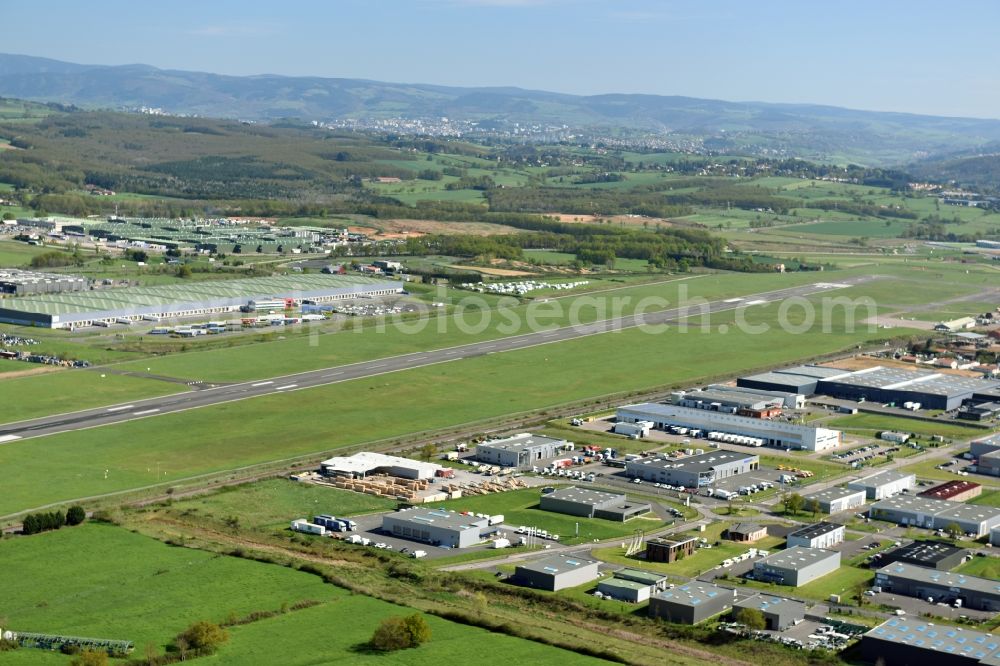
[913,56]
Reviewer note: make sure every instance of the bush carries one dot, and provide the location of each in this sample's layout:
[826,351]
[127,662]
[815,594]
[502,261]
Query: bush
[399,633]
[90,658]
[203,636]
[42,522]
[75,515]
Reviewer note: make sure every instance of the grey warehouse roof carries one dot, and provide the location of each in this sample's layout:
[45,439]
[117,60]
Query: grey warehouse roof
[797,557]
[439,518]
[768,603]
[556,564]
[694,593]
[520,441]
[830,494]
[584,495]
[938,508]
[905,379]
[949,640]
[815,530]
[103,303]
[703,462]
[881,479]
[941,578]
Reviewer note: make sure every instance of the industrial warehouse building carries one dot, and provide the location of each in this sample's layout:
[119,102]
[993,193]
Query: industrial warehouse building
[986,451]
[909,642]
[835,500]
[995,536]
[936,514]
[818,535]
[362,464]
[801,379]
[954,491]
[108,306]
[984,446]
[989,464]
[24,283]
[670,550]
[933,390]
[730,401]
[588,503]
[521,450]
[772,433]
[437,527]
[779,613]
[692,471]
[941,586]
[930,554]
[788,400]
[632,585]
[556,572]
[883,484]
[796,566]
[691,603]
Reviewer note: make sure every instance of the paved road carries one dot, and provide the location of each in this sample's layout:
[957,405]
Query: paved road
[228,393]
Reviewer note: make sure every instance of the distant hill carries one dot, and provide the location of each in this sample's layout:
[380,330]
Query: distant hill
[976,171]
[809,131]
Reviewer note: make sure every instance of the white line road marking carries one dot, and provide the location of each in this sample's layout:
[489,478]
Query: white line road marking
[757,302]
[261,384]
[8,438]
[118,409]
[287,386]
[732,300]
[145,411]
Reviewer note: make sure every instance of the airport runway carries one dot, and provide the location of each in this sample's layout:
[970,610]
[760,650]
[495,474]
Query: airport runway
[193,399]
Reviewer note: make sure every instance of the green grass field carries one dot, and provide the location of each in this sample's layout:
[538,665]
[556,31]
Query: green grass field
[103,581]
[703,559]
[870,423]
[15,254]
[520,507]
[273,503]
[984,567]
[72,390]
[258,430]
[842,582]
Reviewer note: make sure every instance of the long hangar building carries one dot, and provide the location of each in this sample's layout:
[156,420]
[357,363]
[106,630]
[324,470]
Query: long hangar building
[108,306]
[773,433]
[933,390]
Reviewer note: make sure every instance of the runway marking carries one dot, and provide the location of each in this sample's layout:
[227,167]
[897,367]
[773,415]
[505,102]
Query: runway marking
[759,301]
[261,384]
[732,300]
[118,409]
[285,387]
[9,438]
[145,411]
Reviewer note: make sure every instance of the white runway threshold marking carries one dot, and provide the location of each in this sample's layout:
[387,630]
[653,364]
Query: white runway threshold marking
[145,411]
[759,301]
[732,300]
[261,384]
[118,409]
[8,438]
[285,387]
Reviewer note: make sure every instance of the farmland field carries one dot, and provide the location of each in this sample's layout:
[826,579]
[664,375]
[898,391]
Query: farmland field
[112,583]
